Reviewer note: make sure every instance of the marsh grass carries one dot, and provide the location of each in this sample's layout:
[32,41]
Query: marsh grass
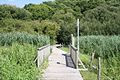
[6,39]
[106,47]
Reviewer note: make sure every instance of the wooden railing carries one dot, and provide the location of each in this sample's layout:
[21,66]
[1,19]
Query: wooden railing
[74,55]
[43,53]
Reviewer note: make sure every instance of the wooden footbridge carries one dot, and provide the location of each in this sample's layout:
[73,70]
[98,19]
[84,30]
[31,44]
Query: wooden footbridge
[62,65]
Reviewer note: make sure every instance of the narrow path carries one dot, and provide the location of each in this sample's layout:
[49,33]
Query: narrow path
[57,69]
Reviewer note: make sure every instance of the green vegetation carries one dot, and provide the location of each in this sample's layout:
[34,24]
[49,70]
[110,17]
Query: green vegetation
[45,27]
[17,54]
[107,47]
[57,19]
[41,11]
[42,68]
[65,49]
[91,74]
[17,62]
[9,38]
[103,46]
[87,75]
[110,69]
[7,11]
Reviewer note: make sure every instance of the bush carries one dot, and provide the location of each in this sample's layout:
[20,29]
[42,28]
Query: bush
[17,62]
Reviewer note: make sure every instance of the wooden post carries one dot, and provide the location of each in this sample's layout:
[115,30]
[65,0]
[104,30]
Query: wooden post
[77,59]
[99,69]
[92,58]
[77,41]
[73,40]
[69,49]
[78,35]
[38,61]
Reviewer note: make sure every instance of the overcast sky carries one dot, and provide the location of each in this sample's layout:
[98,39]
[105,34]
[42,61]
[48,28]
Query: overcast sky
[21,3]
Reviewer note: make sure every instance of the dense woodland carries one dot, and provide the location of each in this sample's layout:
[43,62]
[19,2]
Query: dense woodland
[58,18]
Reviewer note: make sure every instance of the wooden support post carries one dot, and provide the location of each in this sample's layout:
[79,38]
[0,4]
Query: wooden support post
[38,61]
[69,49]
[73,40]
[78,46]
[99,69]
[78,34]
[91,60]
[77,59]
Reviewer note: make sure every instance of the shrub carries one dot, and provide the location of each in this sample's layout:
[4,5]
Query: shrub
[17,62]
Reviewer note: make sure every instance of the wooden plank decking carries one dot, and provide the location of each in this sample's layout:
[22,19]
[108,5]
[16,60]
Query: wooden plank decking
[61,67]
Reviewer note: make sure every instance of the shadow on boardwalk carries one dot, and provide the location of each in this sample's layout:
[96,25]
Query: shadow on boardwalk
[69,62]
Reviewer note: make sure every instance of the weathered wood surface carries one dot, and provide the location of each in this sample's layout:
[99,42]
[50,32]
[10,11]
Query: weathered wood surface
[99,69]
[58,68]
[74,55]
[43,53]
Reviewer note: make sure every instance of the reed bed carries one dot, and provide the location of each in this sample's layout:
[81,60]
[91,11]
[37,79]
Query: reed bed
[9,38]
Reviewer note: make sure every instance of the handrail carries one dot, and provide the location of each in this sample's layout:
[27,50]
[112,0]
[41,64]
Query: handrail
[74,48]
[74,55]
[43,53]
[43,47]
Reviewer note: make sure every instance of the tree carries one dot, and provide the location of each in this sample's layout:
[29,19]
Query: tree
[40,11]
[49,28]
[7,11]
[66,20]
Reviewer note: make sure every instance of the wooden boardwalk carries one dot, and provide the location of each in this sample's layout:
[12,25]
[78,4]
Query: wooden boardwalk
[60,67]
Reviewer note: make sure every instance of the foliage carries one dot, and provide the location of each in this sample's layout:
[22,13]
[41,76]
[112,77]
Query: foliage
[49,28]
[104,46]
[108,48]
[111,69]
[7,11]
[87,75]
[102,20]
[63,18]
[66,49]
[17,54]
[40,11]
[17,62]
[12,25]
[42,68]
[9,38]
[97,17]
[45,27]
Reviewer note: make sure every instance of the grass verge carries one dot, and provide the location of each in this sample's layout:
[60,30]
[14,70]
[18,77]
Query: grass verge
[87,75]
